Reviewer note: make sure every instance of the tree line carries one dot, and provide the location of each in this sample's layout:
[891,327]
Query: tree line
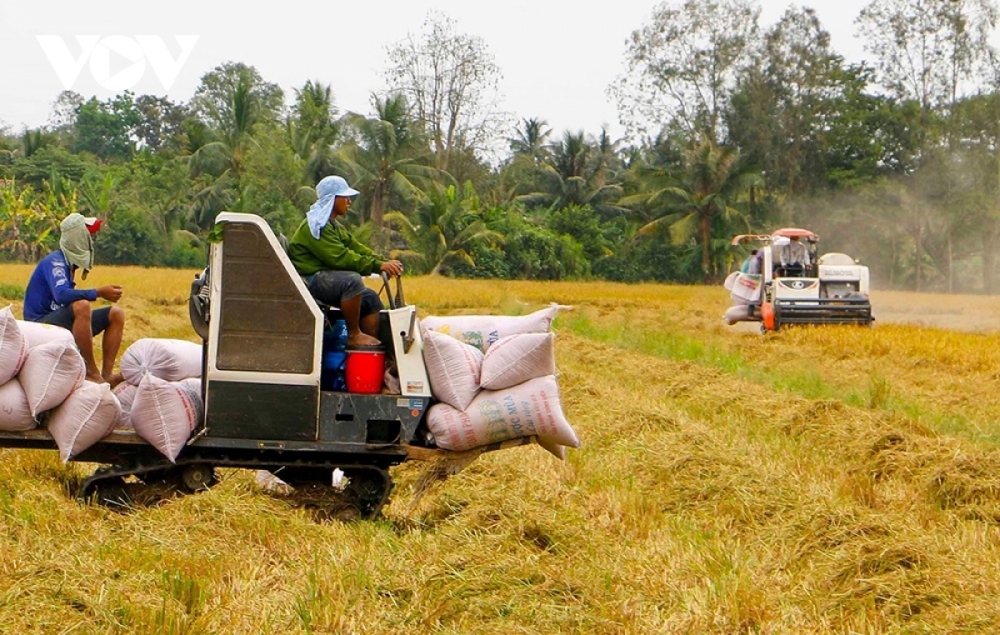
[733,127]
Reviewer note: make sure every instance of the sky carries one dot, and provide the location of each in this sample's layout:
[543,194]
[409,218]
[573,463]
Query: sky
[557,58]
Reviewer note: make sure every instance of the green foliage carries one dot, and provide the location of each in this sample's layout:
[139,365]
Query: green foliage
[29,221]
[271,179]
[233,95]
[161,123]
[576,172]
[583,225]
[185,251]
[41,164]
[651,260]
[444,230]
[11,291]
[528,252]
[129,238]
[105,128]
[387,160]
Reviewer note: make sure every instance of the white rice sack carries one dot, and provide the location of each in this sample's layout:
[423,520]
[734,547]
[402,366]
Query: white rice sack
[51,372]
[738,313]
[194,383]
[15,415]
[165,413]
[125,392]
[482,331]
[172,360]
[746,288]
[730,280]
[453,369]
[13,347]
[37,333]
[86,417]
[532,408]
[515,359]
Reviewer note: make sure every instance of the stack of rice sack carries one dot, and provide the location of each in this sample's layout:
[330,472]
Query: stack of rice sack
[42,377]
[495,379]
[161,395]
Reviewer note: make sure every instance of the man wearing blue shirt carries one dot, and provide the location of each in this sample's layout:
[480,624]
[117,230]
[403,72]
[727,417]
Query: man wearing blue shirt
[52,298]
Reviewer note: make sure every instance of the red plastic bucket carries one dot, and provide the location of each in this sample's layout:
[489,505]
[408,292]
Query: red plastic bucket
[365,369]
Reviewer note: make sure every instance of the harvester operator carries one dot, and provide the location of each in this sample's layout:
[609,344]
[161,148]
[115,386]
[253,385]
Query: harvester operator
[331,262]
[794,257]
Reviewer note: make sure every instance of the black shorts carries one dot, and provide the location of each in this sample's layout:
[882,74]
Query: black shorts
[334,287]
[100,319]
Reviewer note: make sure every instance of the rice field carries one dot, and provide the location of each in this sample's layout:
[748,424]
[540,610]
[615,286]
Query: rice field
[816,480]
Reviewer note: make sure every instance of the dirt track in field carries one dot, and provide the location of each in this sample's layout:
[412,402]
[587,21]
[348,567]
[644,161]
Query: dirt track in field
[972,313]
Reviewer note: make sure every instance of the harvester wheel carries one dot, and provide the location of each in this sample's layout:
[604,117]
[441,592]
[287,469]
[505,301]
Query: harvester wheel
[348,514]
[367,489]
[108,492]
[198,477]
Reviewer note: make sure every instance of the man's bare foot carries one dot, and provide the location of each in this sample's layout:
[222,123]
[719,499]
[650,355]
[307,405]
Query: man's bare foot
[114,379]
[362,339]
[96,378]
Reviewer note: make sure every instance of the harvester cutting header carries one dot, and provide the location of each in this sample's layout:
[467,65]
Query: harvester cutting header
[784,282]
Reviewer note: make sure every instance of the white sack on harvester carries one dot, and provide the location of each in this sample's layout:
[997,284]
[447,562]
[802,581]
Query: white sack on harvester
[515,359]
[528,409]
[125,392]
[50,374]
[165,413]
[194,383]
[482,331]
[15,414]
[38,333]
[171,360]
[84,418]
[453,369]
[13,347]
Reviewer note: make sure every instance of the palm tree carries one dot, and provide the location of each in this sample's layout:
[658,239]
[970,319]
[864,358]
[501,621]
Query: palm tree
[531,140]
[387,158]
[217,163]
[699,205]
[443,230]
[576,175]
[226,153]
[312,129]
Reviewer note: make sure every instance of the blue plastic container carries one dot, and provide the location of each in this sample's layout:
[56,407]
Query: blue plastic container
[332,374]
[335,338]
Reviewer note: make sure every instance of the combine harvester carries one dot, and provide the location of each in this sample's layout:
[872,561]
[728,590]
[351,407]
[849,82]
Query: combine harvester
[830,289]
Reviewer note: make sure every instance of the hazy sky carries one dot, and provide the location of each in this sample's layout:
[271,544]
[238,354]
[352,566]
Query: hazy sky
[557,57]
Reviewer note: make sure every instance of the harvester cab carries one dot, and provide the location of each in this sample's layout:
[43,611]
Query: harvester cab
[791,285]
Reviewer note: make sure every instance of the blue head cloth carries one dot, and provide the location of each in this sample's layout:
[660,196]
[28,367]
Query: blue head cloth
[327,190]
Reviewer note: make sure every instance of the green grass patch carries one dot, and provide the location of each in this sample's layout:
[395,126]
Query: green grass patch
[11,291]
[810,384]
[663,344]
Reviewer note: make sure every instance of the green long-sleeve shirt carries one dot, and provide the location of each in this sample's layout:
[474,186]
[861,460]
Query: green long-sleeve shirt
[336,249]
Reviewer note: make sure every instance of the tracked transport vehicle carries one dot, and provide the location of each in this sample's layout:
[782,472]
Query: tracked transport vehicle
[264,406]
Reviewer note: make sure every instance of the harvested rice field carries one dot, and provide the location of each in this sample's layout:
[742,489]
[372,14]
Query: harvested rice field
[816,480]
